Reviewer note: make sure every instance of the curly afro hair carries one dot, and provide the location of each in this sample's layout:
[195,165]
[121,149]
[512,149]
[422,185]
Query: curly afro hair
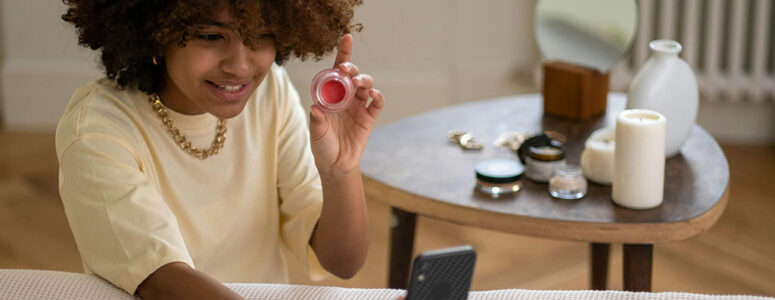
[131,33]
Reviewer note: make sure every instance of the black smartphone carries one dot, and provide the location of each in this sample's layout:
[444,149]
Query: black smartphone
[442,274]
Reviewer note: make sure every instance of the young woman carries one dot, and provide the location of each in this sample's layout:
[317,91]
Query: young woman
[191,163]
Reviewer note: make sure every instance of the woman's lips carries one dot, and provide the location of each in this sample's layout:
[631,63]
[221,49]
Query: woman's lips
[228,91]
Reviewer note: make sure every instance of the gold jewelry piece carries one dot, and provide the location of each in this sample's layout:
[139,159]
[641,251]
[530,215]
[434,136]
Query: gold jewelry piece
[181,140]
[511,140]
[154,61]
[464,139]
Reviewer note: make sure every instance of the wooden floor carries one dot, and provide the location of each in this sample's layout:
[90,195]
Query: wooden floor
[737,256]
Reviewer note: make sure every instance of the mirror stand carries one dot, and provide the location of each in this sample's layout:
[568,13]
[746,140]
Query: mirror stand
[574,92]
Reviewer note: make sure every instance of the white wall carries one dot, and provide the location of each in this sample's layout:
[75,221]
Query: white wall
[432,53]
[2,59]
[424,54]
[42,64]
[420,52]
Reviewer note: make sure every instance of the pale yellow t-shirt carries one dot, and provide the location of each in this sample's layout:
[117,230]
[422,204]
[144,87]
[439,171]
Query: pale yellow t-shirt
[135,201]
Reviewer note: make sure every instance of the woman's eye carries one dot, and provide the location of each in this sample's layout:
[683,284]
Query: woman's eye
[266,37]
[209,36]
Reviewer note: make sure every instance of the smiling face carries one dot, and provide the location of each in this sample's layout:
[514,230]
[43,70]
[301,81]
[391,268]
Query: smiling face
[215,72]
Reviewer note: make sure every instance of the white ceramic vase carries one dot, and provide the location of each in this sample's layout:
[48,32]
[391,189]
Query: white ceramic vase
[666,84]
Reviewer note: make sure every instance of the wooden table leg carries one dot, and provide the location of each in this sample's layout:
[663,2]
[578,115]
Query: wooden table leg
[401,247]
[599,265]
[637,267]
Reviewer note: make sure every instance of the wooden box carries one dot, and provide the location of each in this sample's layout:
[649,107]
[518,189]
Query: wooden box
[574,92]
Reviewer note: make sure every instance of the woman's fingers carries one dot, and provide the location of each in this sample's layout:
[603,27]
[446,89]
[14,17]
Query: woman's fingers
[349,68]
[317,120]
[376,104]
[344,51]
[363,83]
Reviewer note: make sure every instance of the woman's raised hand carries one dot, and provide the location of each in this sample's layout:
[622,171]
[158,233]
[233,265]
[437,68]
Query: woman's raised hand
[338,139]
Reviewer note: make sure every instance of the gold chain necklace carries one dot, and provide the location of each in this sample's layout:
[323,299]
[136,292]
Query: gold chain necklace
[181,140]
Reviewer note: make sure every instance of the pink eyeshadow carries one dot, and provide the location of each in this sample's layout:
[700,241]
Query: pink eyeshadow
[333,91]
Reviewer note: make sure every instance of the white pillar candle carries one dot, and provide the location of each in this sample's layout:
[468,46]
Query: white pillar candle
[639,159]
[597,159]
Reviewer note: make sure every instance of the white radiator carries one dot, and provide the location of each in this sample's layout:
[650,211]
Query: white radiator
[730,44]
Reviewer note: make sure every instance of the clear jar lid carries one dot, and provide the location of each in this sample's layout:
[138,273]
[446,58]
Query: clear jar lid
[568,170]
[499,171]
[550,152]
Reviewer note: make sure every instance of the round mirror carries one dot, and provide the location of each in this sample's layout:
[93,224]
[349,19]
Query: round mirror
[590,33]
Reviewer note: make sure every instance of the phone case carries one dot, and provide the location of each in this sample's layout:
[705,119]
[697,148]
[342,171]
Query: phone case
[442,274]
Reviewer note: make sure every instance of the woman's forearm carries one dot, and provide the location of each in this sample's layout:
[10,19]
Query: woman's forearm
[341,239]
[179,281]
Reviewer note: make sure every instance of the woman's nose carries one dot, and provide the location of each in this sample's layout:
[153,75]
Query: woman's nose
[238,60]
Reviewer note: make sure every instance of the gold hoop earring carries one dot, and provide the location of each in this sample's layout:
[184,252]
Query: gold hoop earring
[154,61]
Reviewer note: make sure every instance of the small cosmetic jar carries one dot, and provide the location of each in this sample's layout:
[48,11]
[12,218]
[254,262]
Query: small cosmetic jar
[542,160]
[332,90]
[498,176]
[568,183]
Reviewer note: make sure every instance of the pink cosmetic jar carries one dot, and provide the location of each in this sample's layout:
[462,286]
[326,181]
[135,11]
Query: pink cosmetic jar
[332,90]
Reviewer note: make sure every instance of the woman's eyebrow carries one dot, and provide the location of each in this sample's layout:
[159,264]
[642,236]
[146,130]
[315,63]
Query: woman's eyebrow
[216,24]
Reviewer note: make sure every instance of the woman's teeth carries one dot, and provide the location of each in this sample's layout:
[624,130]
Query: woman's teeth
[228,88]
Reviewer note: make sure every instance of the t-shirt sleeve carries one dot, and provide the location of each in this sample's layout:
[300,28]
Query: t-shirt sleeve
[298,181]
[123,228]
